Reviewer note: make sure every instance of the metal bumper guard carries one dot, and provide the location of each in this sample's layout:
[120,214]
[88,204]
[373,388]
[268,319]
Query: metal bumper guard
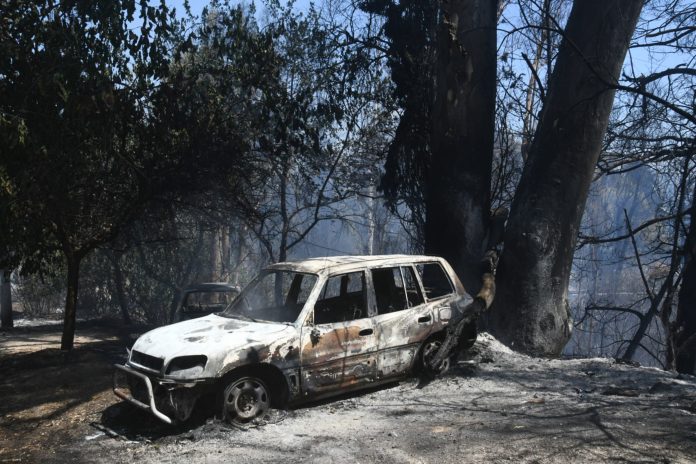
[150,393]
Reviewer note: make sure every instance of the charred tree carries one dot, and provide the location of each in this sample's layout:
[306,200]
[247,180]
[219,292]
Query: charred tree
[531,310]
[463,121]
[73,264]
[119,285]
[683,329]
[6,316]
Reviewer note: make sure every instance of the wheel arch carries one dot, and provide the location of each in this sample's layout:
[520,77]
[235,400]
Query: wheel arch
[271,375]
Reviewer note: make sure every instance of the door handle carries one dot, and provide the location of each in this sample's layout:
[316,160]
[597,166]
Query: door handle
[365,332]
[424,318]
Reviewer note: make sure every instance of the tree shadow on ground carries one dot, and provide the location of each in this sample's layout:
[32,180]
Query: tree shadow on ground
[44,384]
[125,421]
[33,379]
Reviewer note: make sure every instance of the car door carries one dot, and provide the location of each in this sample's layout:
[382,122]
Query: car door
[440,292]
[338,341]
[403,320]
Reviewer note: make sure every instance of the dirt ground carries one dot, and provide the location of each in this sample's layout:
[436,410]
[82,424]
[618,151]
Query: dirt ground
[493,406]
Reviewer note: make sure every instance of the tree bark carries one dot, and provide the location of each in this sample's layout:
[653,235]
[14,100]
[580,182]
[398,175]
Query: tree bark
[225,264]
[6,315]
[237,253]
[73,261]
[119,284]
[531,310]
[683,330]
[459,178]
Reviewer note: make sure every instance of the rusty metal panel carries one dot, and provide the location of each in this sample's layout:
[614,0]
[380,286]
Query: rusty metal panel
[399,336]
[336,356]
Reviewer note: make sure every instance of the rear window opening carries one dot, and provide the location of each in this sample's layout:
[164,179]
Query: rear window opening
[435,281]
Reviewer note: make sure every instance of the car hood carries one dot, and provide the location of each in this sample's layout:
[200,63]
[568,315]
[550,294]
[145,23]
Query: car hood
[225,341]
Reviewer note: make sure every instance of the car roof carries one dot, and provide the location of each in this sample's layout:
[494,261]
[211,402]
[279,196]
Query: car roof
[336,264]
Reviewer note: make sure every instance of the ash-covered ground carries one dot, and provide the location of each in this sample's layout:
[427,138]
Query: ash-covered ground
[493,406]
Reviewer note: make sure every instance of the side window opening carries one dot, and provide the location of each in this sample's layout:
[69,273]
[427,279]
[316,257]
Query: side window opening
[413,291]
[342,299]
[299,291]
[389,290]
[435,281]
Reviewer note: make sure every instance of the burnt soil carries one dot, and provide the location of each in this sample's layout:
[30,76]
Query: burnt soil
[493,406]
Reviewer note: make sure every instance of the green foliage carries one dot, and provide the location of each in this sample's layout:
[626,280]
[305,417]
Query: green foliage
[128,131]
[74,83]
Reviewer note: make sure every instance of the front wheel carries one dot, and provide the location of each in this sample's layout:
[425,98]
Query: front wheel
[245,399]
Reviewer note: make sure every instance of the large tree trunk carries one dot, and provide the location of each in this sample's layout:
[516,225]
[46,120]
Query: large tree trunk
[463,120]
[6,317]
[73,261]
[683,330]
[531,311]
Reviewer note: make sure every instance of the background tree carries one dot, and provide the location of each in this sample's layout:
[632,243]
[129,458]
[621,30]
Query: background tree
[531,309]
[639,232]
[548,326]
[316,111]
[84,151]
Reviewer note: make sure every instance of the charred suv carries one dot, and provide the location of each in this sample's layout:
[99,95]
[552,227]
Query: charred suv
[299,331]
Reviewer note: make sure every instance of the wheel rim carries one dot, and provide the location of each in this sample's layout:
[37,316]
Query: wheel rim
[245,399]
[429,351]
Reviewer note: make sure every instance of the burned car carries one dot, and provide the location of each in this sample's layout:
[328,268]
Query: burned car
[202,299]
[299,331]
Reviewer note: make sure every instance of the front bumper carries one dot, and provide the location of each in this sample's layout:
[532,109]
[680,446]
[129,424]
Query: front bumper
[147,401]
[170,400]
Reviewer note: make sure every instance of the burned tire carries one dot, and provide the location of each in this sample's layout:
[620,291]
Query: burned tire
[244,399]
[427,351]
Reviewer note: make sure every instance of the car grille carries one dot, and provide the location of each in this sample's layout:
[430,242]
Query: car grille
[145,360]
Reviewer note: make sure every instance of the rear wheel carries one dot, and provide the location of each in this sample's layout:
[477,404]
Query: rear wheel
[428,351]
[244,399]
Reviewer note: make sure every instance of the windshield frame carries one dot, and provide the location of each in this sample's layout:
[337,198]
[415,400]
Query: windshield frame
[242,297]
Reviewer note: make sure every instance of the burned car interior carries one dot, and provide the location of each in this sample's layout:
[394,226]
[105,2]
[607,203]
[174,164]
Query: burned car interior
[343,298]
